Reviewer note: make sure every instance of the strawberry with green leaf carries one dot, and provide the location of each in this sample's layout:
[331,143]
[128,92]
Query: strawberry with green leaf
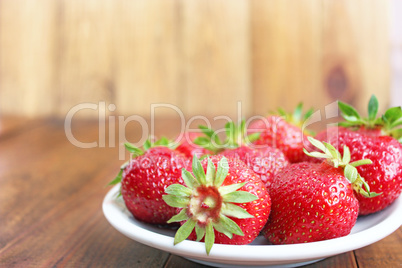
[285,132]
[316,201]
[265,161]
[146,176]
[222,201]
[376,138]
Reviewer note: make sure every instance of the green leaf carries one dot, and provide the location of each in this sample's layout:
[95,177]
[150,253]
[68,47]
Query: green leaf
[231,210]
[210,176]
[132,149]
[231,134]
[222,172]
[308,114]
[207,131]
[297,114]
[209,237]
[335,155]
[253,137]
[361,162]
[230,225]
[239,197]
[346,154]
[348,111]
[316,154]
[397,134]
[182,216]
[162,142]
[318,144]
[396,123]
[372,108]
[178,190]
[198,171]
[282,112]
[147,145]
[184,231]
[211,134]
[350,173]
[189,179]
[117,179]
[176,201]
[334,152]
[230,188]
[200,232]
[202,141]
[219,227]
[392,114]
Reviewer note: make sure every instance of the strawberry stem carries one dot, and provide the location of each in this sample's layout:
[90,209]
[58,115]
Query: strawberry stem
[334,158]
[206,204]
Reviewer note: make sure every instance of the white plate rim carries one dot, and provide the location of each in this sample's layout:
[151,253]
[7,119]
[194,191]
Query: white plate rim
[389,221]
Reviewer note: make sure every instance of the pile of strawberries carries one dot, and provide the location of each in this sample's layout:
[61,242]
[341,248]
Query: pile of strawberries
[271,178]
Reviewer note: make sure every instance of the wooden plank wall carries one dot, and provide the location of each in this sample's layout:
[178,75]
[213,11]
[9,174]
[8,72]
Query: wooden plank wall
[203,56]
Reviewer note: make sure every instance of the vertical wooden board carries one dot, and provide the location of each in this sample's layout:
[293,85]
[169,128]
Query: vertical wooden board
[375,52]
[85,73]
[355,51]
[216,61]
[147,55]
[27,57]
[286,54]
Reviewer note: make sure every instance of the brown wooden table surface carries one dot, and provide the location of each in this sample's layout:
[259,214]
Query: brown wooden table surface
[50,204]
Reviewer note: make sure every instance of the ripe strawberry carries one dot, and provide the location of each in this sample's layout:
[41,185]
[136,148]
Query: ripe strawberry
[315,201]
[283,132]
[265,161]
[189,148]
[224,201]
[145,178]
[374,138]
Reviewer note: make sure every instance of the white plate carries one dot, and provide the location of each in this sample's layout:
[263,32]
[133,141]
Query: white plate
[368,229]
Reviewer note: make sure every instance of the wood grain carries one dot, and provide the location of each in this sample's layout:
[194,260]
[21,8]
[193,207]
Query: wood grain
[85,62]
[348,61]
[28,49]
[203,57]
[147,54]
[216,61]
[286,54]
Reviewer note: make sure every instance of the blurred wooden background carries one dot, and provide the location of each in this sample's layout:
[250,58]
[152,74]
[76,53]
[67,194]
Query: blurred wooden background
[203,56]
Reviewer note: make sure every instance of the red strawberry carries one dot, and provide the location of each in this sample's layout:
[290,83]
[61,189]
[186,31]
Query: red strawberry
[314,201]
[224,201]
[145,178]
[283,132]
[189,148]
[376,139]
[265,161]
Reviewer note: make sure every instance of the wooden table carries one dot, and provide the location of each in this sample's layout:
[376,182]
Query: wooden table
[50,204]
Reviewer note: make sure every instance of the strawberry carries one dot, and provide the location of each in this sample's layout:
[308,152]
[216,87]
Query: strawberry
[265,161]
[315,201]
[283,132]
[189,148]
[145,178]
[377,139]
[223,202]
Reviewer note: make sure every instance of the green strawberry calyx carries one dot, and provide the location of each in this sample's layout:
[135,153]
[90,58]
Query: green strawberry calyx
[335,159]
[135,152]
[390,122]
[206,204]
[236,136]
[296,118]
